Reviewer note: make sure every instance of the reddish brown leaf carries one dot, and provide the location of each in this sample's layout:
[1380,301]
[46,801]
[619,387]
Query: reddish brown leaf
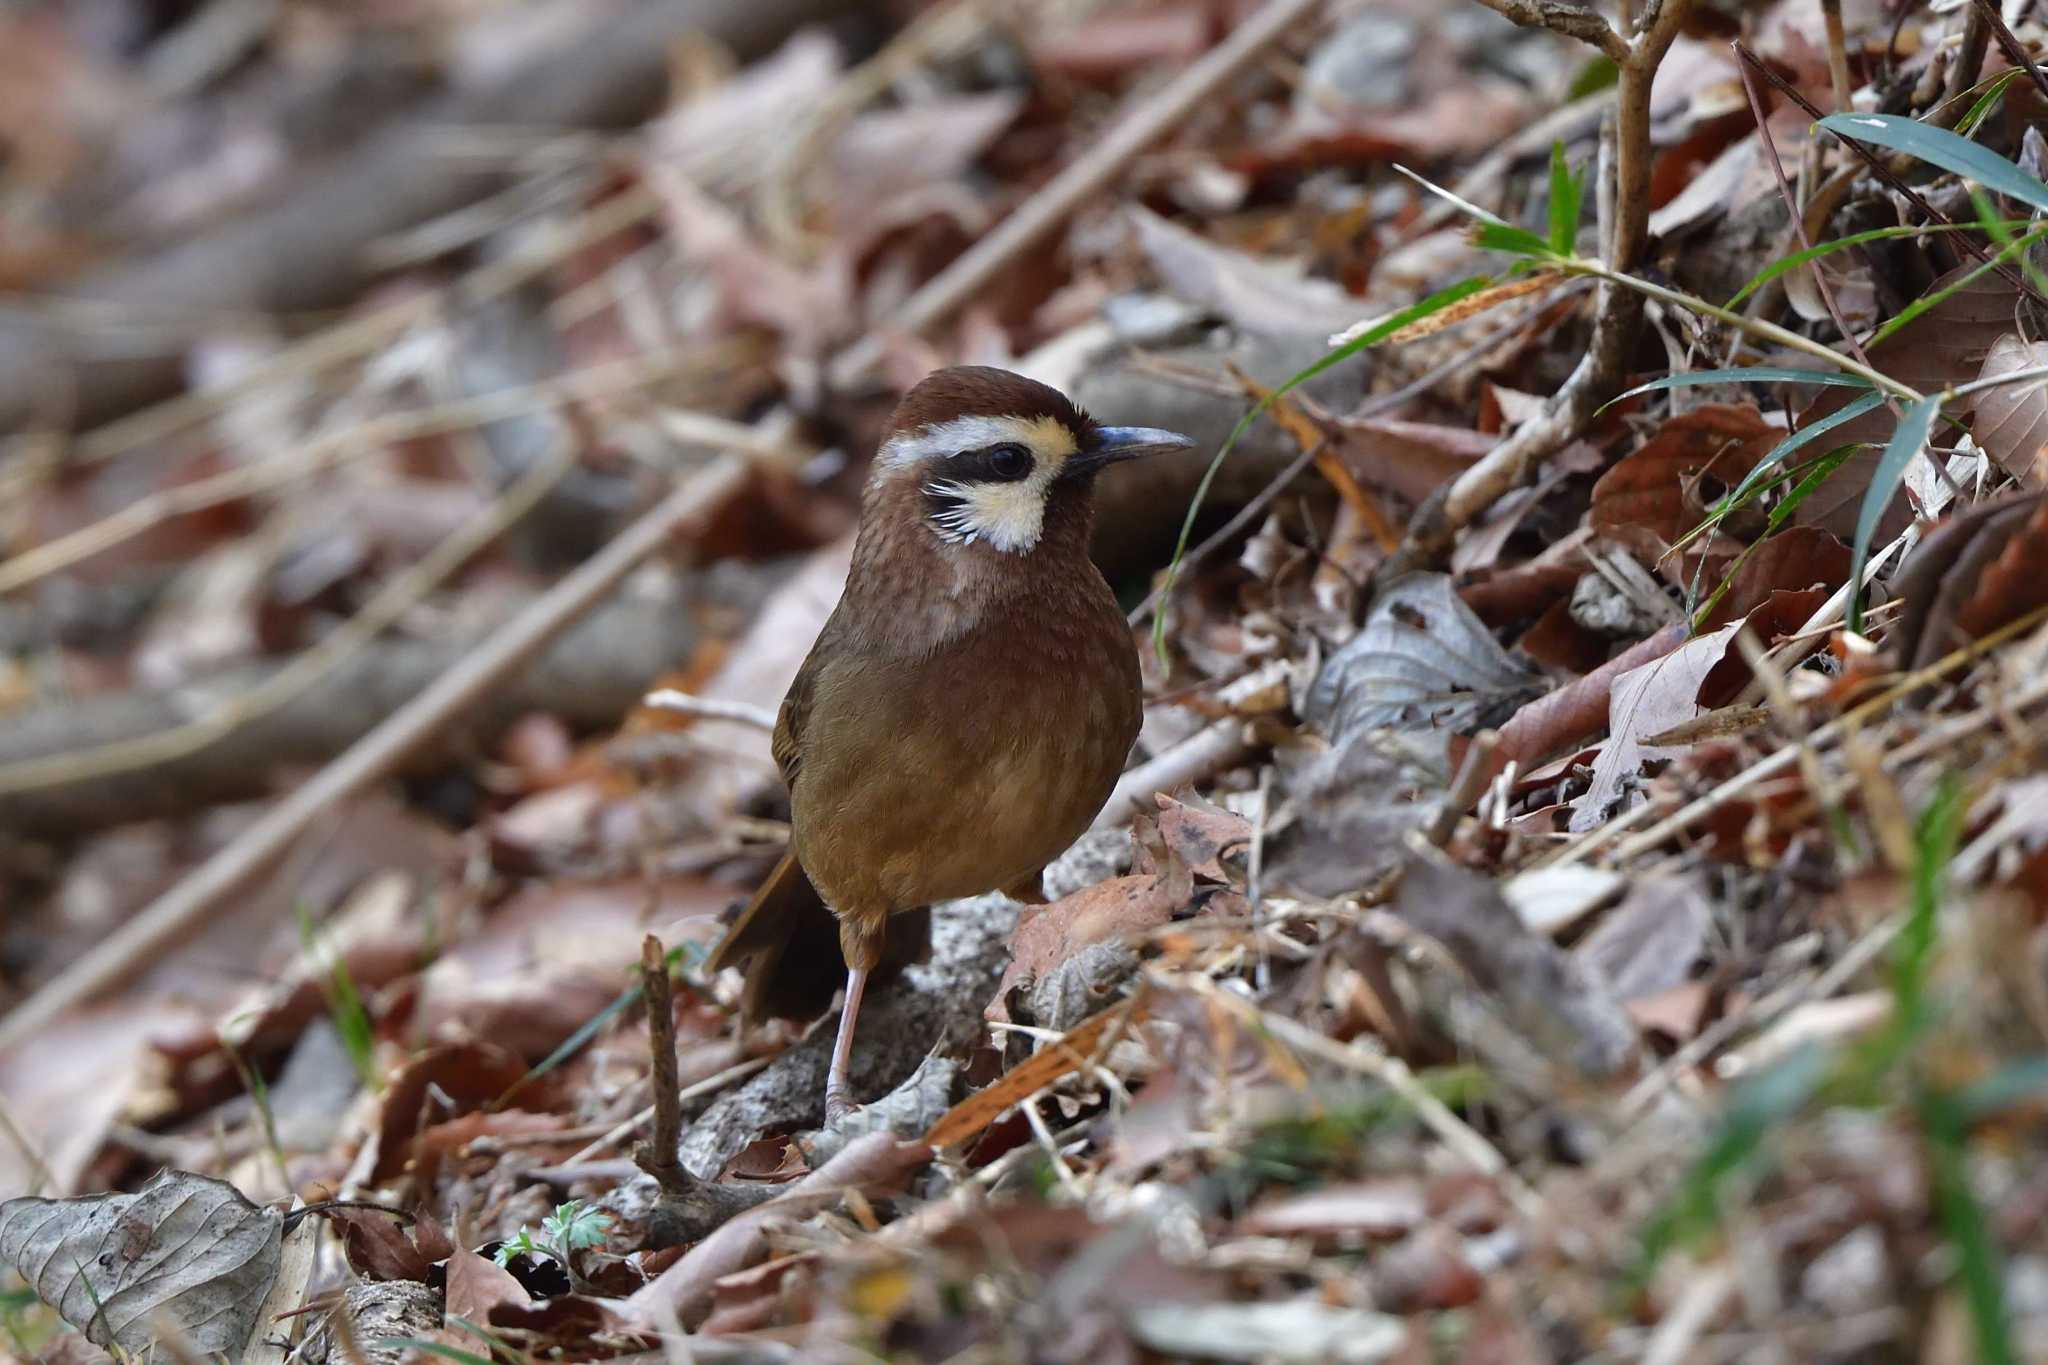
[1946,345]
[1559,719]
[377,1247]
[457,1078]
[476,1286]
[1797,558]
[1664,488]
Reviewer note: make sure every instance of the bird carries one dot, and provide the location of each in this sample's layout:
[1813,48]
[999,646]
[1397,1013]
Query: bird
[967,707]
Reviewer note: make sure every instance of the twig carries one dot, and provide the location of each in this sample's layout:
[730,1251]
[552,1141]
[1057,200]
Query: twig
[709,708]
[657,1155]
[1798,217]
[625,1128]
[1838,54]
[1473,774]
[1203,755]
[1159,114]
[1598,372]
[161,922]
[380,433]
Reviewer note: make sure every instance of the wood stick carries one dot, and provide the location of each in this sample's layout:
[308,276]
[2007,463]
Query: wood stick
[375,755]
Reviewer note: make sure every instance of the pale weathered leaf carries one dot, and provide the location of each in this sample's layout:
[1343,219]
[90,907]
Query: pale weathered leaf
[186,1258]
[1259,296]
[1647,701]
[1422,662]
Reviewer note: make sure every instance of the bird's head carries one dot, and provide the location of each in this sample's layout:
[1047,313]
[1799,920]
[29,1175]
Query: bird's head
[990,459]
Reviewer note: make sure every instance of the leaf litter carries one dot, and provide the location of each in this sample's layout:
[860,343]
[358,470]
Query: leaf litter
[1557,938]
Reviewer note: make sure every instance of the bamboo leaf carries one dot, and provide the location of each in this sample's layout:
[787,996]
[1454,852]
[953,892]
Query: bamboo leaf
[1907,441]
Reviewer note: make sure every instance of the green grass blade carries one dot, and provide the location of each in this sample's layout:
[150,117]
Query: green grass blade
[1799,258]
[433,1348]
[1512,240]
[1815,475]
[1755,374]
[1962,1219]
[1907,441]
[344,1003]
[1378,332]
[1812,431]
[1756,1106]
[1939,147]
[1566,201]
[1926,301]
[1986,102]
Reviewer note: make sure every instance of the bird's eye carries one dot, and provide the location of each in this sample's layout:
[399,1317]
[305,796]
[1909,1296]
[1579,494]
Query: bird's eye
[1009,461]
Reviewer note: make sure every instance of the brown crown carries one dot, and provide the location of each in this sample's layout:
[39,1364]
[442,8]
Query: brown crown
[983,391]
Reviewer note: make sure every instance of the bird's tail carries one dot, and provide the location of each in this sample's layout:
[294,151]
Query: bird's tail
[788,941]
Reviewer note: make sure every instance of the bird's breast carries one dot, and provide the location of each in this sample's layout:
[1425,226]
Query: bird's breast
[967,769]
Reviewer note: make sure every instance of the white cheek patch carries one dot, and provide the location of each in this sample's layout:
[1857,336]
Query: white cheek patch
[1003,516]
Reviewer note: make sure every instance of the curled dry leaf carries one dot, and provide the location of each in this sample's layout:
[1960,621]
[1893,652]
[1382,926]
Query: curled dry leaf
[1111,910]
[476,1286]
[187,1259]
[2011,421]
[1422,662]
[1971,575]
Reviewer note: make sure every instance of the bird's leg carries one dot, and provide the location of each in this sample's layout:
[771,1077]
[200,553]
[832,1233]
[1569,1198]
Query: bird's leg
[860,943]
[837,1102]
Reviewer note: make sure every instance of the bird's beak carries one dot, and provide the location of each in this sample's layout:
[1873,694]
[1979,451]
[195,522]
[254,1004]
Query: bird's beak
[1112,445]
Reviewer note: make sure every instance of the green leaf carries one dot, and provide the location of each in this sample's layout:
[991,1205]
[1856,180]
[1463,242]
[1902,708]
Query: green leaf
[1566,201]
[1756,374]
[1378,332]
[1799,258]
[1756,1106]
[1513,240]
[1986,102]
[344,1003]
[1907,441]
[1939,147]
[1816,474]
[1812,431]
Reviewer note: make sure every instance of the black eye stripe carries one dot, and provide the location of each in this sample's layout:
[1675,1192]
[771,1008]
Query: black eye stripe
[1007,462]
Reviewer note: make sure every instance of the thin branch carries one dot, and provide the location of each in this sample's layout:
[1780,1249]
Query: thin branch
[1573,21]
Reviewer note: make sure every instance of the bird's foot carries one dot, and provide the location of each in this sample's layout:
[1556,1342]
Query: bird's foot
[839,1106]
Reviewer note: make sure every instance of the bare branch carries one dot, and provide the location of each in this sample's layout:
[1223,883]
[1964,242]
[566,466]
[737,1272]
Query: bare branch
[1573,21]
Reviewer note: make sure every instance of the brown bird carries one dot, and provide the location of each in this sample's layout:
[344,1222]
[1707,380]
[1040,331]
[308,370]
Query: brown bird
[968,706]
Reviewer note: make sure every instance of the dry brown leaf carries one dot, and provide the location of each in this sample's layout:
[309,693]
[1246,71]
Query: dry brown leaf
[1797,558]
[477,1285]
[1377,1209]
[1409,458]
[1664,488]
[377,1247]
[1947,345]
[455,1078]
[1256,295]
[1972,574]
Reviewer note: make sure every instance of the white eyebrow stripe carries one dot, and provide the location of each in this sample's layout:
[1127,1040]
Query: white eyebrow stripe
[970,433]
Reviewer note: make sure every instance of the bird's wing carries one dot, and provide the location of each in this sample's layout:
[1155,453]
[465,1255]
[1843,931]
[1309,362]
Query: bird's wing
[788,744]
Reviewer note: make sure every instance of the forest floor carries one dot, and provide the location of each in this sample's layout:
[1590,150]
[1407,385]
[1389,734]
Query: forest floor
[1581,891]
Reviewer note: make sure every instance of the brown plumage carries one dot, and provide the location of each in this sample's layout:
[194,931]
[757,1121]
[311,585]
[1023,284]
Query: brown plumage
[968,706]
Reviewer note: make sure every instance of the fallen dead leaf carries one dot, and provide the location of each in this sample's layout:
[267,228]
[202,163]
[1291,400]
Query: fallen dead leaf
[186,1254]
